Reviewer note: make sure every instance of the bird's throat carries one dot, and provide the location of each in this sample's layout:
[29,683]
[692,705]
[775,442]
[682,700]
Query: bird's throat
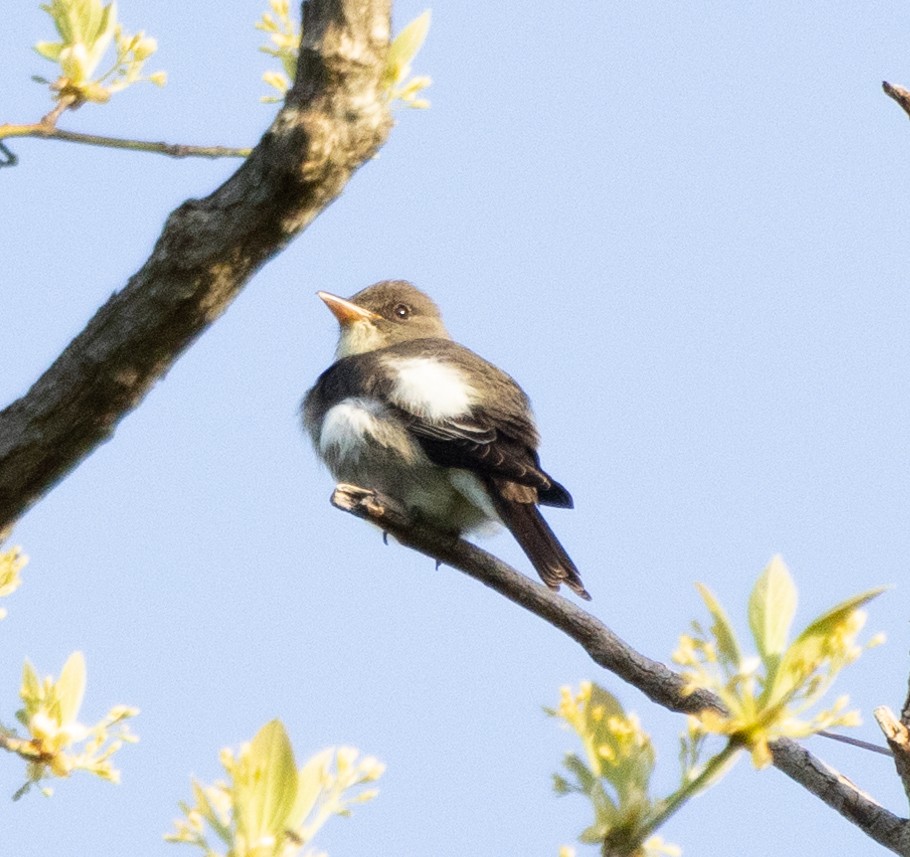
[358,337]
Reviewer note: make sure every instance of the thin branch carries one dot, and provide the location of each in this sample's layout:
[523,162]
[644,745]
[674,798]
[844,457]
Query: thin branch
[46,131]
[855,742]
[334,119]
[9,158]
[899,94]
[655,680]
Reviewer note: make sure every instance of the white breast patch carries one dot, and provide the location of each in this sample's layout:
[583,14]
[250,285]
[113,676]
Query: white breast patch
[431,389]
[346,425]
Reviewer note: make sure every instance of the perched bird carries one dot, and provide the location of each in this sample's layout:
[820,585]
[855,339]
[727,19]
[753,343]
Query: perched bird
[409,413]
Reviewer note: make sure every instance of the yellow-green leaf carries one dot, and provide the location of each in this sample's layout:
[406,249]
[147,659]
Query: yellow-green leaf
[211,815]
[722,629]
[830,619]
[60,16]
[772,606]
[31,683]
[49,50]
[90,17]
[103,34]
[78,15]
[824,638]
[310,783]
[407,43]
[71,687]
[265,784]
[104,23]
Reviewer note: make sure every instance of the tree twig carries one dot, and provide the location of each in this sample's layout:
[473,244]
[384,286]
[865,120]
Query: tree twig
[855,742]
[44,130]
[47,129]
[899,94]
[655,680]
[334,119]
[9,158]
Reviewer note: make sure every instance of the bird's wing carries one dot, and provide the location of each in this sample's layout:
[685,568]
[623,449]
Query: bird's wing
[495,438]
[476,445]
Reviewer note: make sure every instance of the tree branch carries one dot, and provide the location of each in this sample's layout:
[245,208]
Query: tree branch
[655,680]
[45,131]
[898,737]
[899,94]
[334,119]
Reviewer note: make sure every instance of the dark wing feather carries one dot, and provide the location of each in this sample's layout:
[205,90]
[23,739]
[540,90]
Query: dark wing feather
[484,450]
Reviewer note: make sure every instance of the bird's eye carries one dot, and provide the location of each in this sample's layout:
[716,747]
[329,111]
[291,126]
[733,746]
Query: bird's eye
[402,311]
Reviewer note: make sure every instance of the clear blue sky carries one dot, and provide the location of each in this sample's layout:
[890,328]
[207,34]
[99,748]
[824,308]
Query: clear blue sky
[682,227]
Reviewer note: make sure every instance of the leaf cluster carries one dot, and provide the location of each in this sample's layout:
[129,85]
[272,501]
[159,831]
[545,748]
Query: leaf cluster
[267,807]
[87,28]
[766,696]
[53,741]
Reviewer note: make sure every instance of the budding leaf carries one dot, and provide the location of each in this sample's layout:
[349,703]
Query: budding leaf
[71,687]
[722,629]
[266,784]
[772,606]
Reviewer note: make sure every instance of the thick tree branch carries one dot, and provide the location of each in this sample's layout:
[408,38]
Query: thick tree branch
[335,118]
[655,680]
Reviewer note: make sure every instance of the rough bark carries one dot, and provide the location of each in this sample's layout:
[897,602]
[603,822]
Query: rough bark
[334,119]
[898,737]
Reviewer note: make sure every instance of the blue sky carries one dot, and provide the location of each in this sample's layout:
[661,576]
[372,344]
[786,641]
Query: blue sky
[682,227]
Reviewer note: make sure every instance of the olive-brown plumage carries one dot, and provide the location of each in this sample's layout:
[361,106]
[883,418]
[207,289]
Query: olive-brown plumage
[406,411]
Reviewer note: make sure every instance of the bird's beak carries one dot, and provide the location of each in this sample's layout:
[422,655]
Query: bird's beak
[346,312]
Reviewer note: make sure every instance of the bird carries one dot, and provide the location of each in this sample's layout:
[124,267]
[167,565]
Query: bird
[408,412]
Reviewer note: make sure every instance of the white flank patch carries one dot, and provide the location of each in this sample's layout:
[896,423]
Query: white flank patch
[430,388]
[346,425]
[471,488]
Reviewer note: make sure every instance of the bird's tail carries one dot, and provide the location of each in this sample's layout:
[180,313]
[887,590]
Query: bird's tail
[538,541]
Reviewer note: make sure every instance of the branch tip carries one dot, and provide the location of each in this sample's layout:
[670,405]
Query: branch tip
[899,94]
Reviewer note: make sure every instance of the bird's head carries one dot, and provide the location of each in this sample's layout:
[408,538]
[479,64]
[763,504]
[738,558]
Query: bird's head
[383,314]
